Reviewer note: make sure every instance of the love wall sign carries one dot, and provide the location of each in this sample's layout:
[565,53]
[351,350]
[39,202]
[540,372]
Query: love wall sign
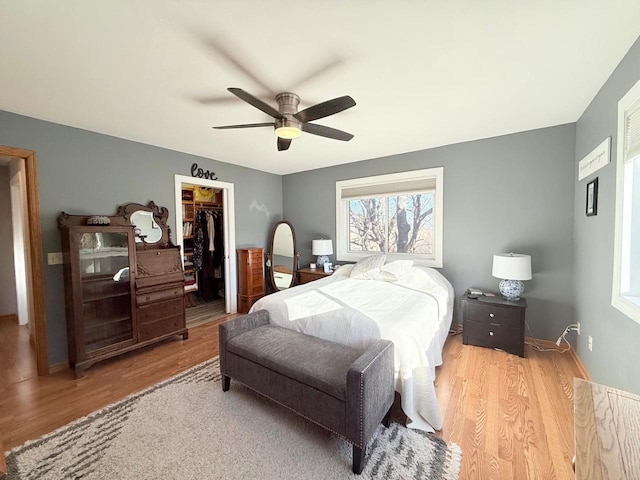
[198,172]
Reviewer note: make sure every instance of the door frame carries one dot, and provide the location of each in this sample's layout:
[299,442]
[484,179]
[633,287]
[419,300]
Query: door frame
[21,257]
[39,321]
[229,229]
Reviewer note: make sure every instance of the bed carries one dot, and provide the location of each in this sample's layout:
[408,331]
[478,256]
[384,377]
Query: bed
[411,306]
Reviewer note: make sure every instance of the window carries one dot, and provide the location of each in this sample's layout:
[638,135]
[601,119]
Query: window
[626,263]
[399,214]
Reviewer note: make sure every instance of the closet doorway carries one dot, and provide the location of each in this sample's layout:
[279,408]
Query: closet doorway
[205,231]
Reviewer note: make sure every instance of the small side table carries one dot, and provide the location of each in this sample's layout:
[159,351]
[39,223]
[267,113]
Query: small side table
[306,275]
[494,322]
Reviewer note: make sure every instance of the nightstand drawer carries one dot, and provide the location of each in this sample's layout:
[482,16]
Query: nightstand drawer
[494,335]
[484,312]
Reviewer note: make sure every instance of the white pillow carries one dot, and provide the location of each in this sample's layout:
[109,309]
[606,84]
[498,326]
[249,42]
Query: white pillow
[397,269]
[343,270]
[368,267]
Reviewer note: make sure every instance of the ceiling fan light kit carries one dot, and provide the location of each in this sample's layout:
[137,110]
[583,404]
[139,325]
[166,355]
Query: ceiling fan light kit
[288,128]
[289,122]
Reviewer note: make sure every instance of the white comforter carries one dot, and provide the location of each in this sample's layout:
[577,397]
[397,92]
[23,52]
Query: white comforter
[414,313]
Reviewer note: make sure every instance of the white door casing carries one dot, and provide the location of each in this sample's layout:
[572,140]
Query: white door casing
[229,228]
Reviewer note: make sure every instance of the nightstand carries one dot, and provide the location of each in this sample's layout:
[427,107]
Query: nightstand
[306,275]
[494,322]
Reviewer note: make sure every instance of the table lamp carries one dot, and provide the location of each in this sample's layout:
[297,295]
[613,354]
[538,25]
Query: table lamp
[321,248]
[512,268]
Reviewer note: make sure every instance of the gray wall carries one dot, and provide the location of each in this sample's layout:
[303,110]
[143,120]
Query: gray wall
[506,194]
[82,172]
[616,338]
[8,300]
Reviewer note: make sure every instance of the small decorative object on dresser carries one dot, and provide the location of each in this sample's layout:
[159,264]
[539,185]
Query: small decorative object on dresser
[306,275]
[494,322]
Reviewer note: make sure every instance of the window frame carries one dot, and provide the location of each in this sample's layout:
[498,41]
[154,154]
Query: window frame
[627,304]
[342,215]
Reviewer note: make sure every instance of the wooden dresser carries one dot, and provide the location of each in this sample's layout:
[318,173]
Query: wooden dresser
[306,275]
[251,282]
[160,293]
[121,292]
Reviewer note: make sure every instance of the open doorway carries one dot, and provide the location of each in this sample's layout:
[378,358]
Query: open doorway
[26,238]
[205,231]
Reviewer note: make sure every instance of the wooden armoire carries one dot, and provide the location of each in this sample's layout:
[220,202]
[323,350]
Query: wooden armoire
[124,283]
[251,282]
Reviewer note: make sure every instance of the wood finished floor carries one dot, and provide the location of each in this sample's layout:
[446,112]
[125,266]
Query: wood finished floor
[512,417]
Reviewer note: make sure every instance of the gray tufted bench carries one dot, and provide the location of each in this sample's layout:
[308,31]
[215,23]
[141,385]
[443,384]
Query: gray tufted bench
[346,390]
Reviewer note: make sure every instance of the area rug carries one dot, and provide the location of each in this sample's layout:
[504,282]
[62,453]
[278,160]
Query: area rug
[187,428]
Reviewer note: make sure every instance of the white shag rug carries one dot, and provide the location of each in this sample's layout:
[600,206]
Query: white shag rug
[187,428]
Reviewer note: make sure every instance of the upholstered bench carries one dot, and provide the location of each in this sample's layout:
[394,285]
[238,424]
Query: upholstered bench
[346,390]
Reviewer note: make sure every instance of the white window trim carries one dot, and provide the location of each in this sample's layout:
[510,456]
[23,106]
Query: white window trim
[342,217]
[627,304]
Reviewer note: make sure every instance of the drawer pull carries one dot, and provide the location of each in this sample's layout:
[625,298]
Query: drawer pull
[494,324]
[491,333]
[492,315]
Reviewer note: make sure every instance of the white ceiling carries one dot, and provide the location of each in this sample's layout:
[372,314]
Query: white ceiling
[423,73]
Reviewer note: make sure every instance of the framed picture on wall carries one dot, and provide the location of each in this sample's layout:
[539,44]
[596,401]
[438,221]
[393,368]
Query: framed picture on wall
[592,197]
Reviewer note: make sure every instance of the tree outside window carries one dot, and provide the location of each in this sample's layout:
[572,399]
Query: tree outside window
[398,214]
[392,224]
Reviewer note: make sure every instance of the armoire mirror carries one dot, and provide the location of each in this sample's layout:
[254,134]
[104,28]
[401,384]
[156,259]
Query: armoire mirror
[150,221]
[283,256]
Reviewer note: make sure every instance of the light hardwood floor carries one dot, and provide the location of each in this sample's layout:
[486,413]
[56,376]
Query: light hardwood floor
[512,417]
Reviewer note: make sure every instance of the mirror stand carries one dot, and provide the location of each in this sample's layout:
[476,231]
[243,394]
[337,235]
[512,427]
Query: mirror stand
[283,257]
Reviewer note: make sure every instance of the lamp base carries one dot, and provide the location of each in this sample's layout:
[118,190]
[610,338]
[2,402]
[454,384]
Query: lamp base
[511,289]
[322,259]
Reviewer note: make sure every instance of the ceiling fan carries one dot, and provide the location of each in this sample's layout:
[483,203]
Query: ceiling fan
[289,122]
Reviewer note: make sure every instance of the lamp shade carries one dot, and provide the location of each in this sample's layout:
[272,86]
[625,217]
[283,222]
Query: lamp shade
[512,266]
[321,247]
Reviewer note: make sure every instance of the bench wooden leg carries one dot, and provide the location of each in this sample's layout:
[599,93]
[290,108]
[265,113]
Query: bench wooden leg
[226,382]
[386,421]
[358,459]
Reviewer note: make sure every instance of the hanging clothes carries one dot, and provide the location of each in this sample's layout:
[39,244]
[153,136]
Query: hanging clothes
[198,245]
[209,245]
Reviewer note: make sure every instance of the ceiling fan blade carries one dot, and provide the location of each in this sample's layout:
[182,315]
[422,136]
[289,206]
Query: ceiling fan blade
[325,109]
[328,132]
[217,100]
[256,102]
[283,144]
[321,70]
[244,125]
[217,45]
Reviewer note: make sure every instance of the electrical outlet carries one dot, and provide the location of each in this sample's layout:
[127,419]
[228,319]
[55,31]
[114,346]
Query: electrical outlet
[590,343]
[54,258]
[578,323]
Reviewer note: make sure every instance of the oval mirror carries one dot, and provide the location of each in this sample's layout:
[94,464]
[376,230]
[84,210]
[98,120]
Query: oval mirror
[150,231]
[283,256]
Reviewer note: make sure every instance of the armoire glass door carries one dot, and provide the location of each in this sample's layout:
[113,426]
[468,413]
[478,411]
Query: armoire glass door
[106,287]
